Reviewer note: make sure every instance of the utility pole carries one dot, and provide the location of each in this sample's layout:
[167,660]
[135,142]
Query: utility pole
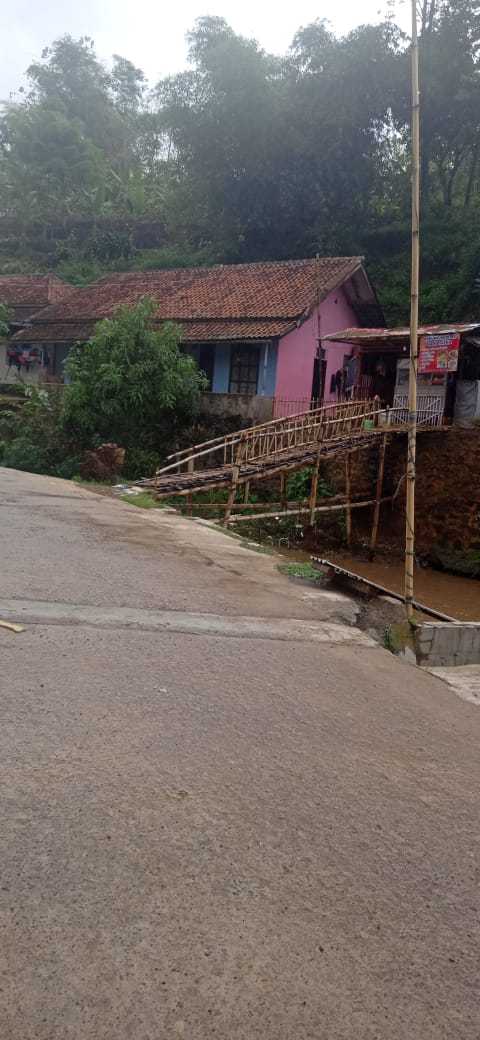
[414,292]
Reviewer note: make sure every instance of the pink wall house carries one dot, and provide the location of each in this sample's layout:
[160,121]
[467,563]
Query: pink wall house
[297,350]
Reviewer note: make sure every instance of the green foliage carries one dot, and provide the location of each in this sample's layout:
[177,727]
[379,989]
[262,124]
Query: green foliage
[129,384]
[132,385]
[248,156]
[4,320]
[306,571]
[32,437]
[456,561]
[143,501]
[299,485]
[23,453]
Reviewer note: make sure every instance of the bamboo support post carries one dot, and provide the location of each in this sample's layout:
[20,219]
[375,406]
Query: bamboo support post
[348,511]
[241,450]
[314,489]
[378,496]
[283,491]
[414,293]
[246,493]
[190,469]
[231,494]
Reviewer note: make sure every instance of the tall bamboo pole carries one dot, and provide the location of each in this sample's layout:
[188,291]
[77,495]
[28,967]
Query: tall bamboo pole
[414,290]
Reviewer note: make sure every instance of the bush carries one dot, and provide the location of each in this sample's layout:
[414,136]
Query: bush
[34,435]
[23,453]
[131,384]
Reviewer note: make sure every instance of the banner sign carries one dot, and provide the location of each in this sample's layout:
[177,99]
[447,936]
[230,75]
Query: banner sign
[439,352]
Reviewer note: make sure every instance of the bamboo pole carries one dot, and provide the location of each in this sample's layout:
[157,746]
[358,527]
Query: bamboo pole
[246,493]
[414,293]
[348,512]
[314,488]
[378,495]
[283,491]
[279,515]
[191,469]
[231,494]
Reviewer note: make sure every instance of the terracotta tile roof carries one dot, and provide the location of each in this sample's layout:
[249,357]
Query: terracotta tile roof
[243,300]
[263,328]
[29,290]
[193,331]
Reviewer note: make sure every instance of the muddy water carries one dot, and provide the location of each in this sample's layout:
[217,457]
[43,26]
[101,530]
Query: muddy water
[458,597]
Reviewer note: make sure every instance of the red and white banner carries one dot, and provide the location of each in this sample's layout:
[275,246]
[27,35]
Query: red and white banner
[439,352]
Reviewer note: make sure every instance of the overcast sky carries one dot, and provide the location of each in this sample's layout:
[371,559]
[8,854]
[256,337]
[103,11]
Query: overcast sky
[151,33]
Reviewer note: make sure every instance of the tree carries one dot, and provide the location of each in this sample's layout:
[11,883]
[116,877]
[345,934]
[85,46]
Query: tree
[131,384]
[4,320]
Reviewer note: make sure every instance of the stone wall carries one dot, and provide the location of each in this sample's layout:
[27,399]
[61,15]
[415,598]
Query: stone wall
[447,494]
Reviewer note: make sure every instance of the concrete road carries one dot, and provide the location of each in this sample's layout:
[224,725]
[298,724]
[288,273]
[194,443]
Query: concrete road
[224,812]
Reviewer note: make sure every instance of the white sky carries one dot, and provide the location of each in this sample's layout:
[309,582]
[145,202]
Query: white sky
[151,33]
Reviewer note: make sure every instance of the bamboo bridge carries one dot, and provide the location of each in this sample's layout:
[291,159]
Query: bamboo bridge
[281,446]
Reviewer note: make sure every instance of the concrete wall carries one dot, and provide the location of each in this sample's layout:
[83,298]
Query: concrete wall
[297,350]
[439,644]
[252,407]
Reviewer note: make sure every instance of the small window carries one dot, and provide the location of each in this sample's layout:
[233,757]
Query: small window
[244,370]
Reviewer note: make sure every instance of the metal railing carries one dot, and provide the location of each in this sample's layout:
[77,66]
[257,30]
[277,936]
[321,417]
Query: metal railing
[430,408]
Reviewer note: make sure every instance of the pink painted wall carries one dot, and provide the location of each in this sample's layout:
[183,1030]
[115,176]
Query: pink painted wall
[335,314]
[296,350]
[296,353]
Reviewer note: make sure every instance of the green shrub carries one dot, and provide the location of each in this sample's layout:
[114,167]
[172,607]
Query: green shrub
[23,453]
[140,462]
[456,561]
[68,468]
[300,483]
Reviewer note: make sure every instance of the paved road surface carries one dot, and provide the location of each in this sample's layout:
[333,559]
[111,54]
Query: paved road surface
[216,826]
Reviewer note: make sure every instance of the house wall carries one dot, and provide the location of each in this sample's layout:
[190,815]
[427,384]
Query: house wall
[297,350]
[245,409]
[336,313]
[266,370]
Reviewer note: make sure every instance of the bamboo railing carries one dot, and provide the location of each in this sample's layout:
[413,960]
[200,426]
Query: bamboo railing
[278,436]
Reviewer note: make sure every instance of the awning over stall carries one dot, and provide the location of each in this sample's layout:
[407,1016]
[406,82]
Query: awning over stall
[394,339]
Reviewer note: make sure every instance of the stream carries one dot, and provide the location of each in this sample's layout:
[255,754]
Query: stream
[459,597]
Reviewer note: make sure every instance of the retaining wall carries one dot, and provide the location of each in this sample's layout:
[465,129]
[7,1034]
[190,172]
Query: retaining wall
[441,644]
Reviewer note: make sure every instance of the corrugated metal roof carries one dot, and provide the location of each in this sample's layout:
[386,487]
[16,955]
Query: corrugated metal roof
[371,336]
